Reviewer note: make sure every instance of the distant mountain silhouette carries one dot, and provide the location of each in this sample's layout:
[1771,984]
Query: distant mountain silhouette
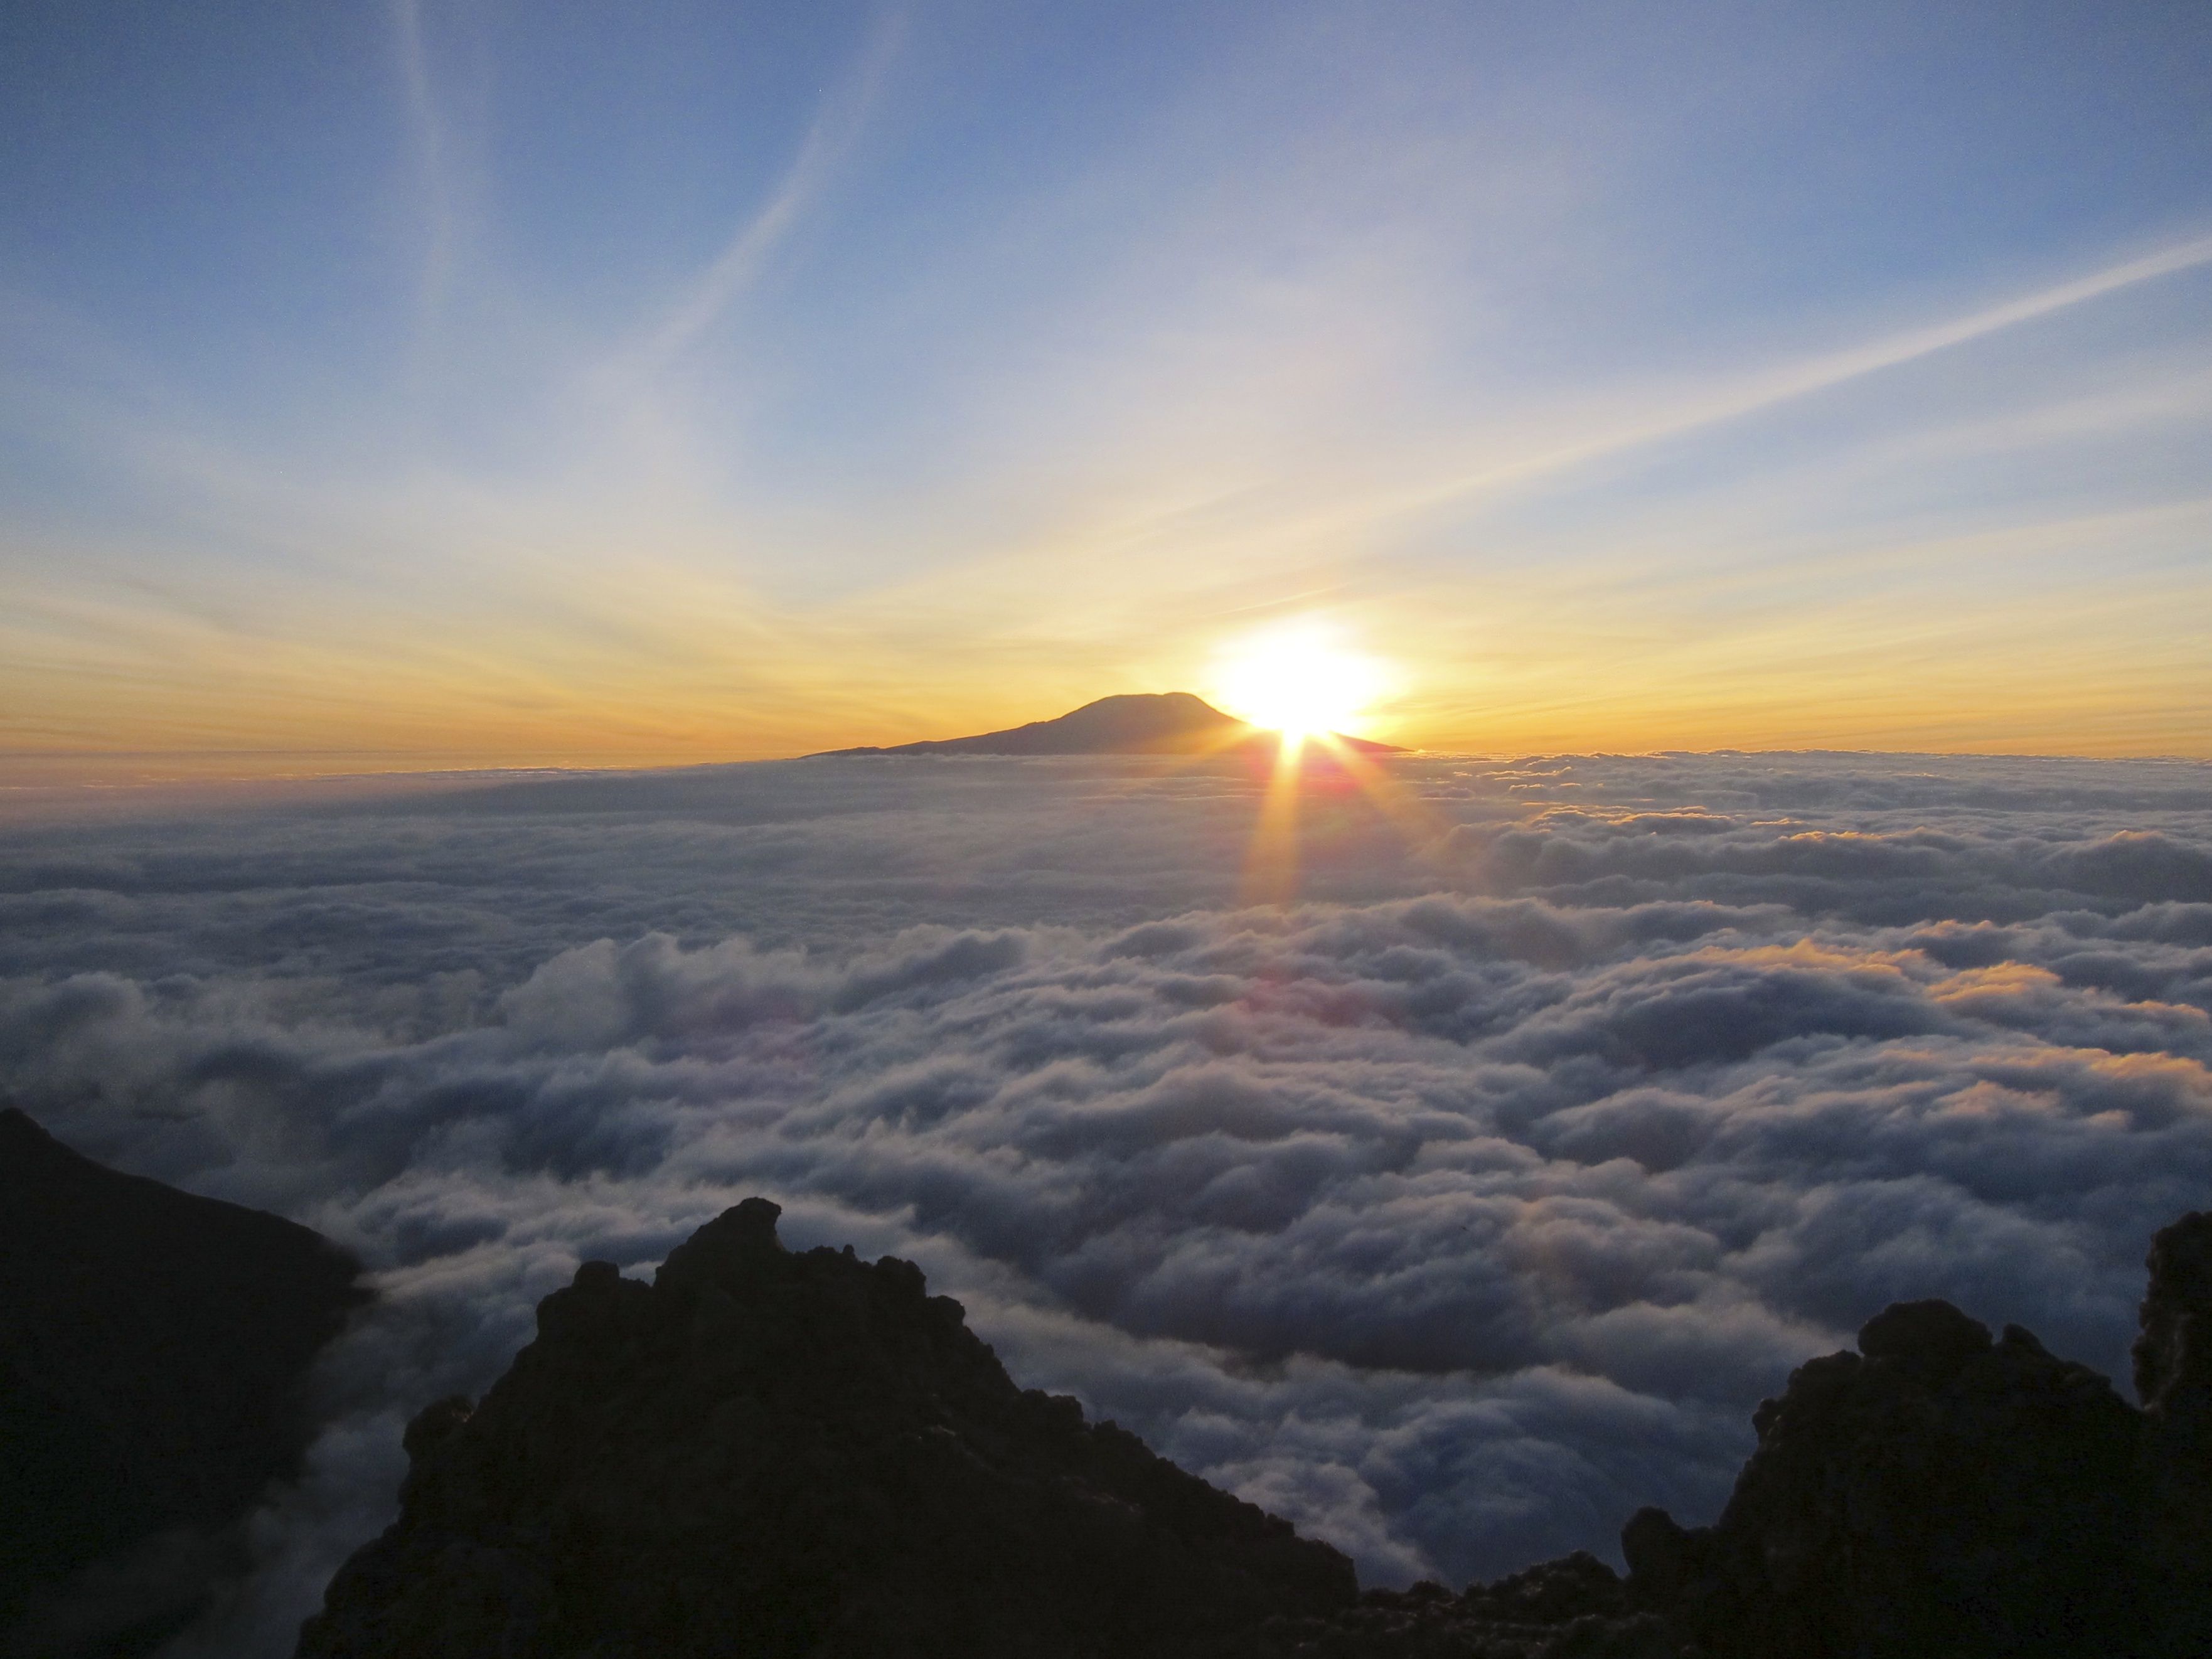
[1165,723]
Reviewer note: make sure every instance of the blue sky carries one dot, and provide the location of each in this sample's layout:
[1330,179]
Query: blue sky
[479,384]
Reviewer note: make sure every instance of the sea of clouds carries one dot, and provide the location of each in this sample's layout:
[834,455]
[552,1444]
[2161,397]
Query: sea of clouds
[1454,1208]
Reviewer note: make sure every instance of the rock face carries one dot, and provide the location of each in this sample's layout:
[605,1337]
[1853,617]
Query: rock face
[153,1346]
[766,1453]
[1165,723]
[770,1453]
[2174,1375]
[1935,1493]
[1941,1492]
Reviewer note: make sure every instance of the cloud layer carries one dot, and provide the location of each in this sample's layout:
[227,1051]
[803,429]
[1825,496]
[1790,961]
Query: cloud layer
[1453,1210]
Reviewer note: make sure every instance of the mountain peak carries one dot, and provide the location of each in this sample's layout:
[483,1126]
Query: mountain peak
[1131,723]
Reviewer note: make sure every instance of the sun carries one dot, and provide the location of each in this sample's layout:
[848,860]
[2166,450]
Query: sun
[1296,679]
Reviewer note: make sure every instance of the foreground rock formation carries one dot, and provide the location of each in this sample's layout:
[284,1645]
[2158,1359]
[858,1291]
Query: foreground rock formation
[153,1346]
[1935,1493]
[769,1454]
[764,1453]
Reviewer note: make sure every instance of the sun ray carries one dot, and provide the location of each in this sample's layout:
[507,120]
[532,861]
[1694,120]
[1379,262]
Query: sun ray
[1300,684]
[1270,865]
[1415,820]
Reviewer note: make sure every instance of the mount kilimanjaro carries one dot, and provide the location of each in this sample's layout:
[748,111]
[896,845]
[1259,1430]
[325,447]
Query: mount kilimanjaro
[1163,723]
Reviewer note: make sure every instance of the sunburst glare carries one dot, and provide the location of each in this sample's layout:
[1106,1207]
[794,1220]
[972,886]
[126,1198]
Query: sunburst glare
[1298,679]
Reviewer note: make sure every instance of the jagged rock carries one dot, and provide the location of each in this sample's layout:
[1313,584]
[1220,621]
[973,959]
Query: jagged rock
[764,1453]
[1575,1607]
[153,1346]
[2173,1376]
[1937,1492]
[2173,1355]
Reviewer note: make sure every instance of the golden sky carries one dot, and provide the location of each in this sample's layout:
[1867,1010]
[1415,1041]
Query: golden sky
[1687,390]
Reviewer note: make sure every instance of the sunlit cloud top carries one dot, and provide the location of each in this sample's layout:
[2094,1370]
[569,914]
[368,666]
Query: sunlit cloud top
[459,383]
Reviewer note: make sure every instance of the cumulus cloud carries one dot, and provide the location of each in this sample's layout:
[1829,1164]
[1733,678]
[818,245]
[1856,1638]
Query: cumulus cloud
[1454,1210]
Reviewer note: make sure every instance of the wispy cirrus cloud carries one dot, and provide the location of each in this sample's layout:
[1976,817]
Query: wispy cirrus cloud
[837,125]
[1293,312]
[1737,397]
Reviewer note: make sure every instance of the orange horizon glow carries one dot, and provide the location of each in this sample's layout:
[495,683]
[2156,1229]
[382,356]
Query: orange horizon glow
[1512,680]
[2014,676]
[435,470]
[166,755]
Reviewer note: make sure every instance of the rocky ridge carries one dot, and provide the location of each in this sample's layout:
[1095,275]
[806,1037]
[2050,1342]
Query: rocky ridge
[770,1454]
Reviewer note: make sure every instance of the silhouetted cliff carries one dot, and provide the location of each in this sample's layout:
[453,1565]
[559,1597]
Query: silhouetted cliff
[764,1453]
[1935,1493]
[152,1349]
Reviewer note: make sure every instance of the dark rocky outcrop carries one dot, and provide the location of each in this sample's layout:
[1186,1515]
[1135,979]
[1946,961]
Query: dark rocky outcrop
[1935,1493]
[1163,723]
[153,1349]
[1575,1607]
[2174,1375]
[766,1453]
[1938,1492]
